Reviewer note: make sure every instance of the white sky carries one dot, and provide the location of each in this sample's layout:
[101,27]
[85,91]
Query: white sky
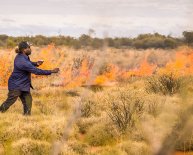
[121,18]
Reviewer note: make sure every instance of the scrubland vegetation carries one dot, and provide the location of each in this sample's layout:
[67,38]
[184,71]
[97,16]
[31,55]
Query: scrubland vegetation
[90,41]
[105,101]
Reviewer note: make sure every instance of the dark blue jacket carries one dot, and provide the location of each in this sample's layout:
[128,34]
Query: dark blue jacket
[20,78]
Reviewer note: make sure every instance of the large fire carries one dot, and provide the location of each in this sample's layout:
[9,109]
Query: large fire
[78,71]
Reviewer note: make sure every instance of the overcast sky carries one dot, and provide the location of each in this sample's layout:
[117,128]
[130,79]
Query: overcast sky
[121,18]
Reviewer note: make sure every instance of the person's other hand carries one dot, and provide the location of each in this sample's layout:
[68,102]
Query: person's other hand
[40,62]
[55,70]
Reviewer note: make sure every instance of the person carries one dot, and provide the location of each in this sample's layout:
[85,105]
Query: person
[19,82]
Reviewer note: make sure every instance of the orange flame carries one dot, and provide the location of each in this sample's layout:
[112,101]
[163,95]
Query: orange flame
[81,72]
[183,64]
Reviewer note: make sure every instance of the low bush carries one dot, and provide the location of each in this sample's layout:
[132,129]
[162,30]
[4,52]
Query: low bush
[166,84]
[125,108]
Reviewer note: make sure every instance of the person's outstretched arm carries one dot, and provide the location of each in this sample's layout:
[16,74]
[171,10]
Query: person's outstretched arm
[34,64]
[28,66]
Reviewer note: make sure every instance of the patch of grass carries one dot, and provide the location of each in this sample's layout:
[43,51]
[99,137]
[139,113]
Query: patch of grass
[85,123]
[79,147]
[100,134]
[135,148]
[25,146]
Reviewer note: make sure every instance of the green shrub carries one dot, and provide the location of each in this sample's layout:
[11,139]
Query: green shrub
[125,109]
[166,84]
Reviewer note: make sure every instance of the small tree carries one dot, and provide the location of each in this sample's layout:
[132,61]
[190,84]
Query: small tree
[188,37]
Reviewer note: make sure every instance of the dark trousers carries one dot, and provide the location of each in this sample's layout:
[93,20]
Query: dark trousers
[13,95]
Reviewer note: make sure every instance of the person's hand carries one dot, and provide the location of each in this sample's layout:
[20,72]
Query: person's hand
[40,62]
[55,70]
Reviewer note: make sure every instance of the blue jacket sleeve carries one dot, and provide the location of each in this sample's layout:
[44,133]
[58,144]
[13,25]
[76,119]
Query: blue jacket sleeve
[34,63]
[28,66]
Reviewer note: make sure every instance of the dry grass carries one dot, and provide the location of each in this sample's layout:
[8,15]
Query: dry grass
[55,126]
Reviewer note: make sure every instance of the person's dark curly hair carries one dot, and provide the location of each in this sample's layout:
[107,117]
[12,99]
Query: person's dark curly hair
[17,50]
